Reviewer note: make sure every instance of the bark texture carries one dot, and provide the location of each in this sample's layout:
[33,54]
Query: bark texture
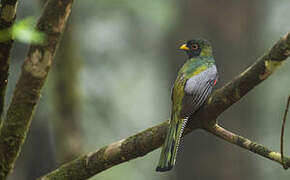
[16,124]
[144,142]
[7,16]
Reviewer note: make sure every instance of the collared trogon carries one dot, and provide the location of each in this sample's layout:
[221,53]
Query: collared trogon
[193,85]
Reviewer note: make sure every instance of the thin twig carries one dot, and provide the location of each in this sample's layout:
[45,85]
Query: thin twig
[247,144]
[282,133]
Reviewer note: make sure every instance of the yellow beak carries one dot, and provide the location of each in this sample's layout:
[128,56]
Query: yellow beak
[184,47]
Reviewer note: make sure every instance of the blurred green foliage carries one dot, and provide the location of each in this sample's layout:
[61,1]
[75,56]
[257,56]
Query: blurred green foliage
[24,31]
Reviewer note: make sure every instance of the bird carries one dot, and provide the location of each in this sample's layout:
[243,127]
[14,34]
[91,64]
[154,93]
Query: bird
[193,85]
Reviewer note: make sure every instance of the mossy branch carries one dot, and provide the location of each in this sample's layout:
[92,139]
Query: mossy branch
[7,16]
[144,142]
[35,68]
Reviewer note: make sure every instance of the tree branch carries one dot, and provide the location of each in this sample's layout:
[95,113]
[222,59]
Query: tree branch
[124,150]
[144,142]
[247,144]
[35,68]
[282,135]
[7,17]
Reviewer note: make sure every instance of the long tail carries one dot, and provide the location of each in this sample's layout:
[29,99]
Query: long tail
[170,146]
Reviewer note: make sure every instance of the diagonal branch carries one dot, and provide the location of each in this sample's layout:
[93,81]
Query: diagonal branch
[144,142]
[248,144]
[35,68]
[7,17]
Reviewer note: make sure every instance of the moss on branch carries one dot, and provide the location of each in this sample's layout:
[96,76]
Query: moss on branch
[124,150]
[7,16]
[16,124]
[144,142]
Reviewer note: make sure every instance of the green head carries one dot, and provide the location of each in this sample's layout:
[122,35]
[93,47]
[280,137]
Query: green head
[197,47]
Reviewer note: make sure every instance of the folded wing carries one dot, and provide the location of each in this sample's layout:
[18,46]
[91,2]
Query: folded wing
[197,89]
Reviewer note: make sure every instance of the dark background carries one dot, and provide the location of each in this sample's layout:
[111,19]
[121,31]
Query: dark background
[113,75]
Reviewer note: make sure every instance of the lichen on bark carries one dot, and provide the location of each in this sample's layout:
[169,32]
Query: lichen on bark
[16,123]
[7,17]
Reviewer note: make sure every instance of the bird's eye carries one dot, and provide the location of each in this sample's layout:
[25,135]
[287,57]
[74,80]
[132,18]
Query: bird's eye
[194,46]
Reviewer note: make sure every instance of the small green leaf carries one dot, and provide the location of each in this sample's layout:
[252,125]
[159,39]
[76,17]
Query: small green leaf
[24,31]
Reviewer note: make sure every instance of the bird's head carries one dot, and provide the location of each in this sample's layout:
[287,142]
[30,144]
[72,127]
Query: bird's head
[197,47]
